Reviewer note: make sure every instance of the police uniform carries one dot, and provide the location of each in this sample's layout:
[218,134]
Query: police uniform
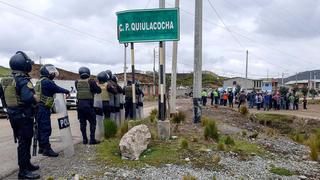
[139,95]
[105,99]
[46,88]
[20,101]
[112,90]
[128,101]
[86,88]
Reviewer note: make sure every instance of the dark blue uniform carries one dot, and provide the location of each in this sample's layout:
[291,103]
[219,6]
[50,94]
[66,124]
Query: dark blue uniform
[48,88]
[21,119]
[86,112]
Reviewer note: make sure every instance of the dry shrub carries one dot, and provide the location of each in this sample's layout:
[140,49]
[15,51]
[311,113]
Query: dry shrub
[244,110]
[184,144]
[211,131]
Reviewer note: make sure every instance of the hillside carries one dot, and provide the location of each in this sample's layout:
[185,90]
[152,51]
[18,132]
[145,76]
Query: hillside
[208,79]
[4,71]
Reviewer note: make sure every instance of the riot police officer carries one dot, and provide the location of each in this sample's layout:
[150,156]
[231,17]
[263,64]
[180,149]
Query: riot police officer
[86,88]
[128,100]
[45,89]
[103,77]
[117,100]
[112,91]
[139,97]
[20,99]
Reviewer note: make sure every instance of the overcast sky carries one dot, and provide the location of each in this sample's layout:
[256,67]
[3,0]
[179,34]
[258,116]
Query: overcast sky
[281,35]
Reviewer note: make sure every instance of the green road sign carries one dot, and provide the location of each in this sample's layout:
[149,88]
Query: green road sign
[147,25]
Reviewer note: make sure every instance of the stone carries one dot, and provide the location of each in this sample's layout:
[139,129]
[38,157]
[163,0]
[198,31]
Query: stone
[187,159]
[164,129]
[302,177]
[134,142]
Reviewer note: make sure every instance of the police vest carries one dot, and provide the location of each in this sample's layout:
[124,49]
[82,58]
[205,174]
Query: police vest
[104,93]
[46,100]
[128,91]
[12,98]
[83,89]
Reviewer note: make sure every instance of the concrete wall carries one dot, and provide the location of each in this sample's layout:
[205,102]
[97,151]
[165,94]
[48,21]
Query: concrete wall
[245,84]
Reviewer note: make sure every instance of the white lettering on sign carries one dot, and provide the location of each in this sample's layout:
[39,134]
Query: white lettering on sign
[147,26]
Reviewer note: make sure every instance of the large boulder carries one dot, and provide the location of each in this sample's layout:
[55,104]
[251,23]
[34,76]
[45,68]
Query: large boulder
[134,142]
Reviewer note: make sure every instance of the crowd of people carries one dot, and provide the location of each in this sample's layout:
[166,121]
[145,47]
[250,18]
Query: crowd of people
[254,99]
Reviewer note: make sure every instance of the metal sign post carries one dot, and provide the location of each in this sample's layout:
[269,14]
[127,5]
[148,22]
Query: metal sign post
[133,82]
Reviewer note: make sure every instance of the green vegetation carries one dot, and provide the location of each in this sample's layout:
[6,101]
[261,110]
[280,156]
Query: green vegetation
[133,123]
[221,146]
[244,110]
[229,141]
[216,159]
[123,129]
[110,128]
[298,137]
[177,119]
[314,143]
[189,177]
[207,79]
[211,131]
[4,71]
[247,148]
[184,144]
[281,171]
[278,121]
[153,115]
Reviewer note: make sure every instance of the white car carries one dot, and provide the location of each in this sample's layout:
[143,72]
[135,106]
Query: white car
[71,101]
[3,110]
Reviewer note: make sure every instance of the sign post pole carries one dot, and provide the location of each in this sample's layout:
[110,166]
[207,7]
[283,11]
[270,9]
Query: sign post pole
[162,107]
[133,82]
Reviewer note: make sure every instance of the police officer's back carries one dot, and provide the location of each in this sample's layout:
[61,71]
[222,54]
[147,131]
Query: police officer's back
[45,89]
[103,78]
[128,100]
[20,100]
[86,88]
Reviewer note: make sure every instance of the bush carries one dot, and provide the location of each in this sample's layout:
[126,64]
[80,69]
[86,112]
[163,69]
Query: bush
[211,131]
[204,120]
[177,119]
[189,177]
[184,144]
[216,159]
[153,115]
[221,146]
[313,143]
[123,129]
[244,133]
[299,138]
[281,171]
[154,134]
[229,141]
[110,128]
[244,110]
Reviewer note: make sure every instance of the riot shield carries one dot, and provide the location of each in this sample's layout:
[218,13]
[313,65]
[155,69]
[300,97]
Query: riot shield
[99,116]
[122,109]
[140,106]
[117,109]
[64,125]
[112,106]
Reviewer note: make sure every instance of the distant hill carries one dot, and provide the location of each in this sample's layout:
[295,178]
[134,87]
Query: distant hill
[208,79]
[302,76]
[35,73]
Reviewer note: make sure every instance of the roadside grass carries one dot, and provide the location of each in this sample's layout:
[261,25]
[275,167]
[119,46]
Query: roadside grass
[281,171]
[277,121]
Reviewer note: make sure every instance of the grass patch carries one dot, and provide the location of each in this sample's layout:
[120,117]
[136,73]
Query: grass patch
[281,171]
[177,119]
[159,153]
[123,129]
[189,177]
[247,148]
[244,110]
[229,141]
[211,131]
[278,121]
[153,115]
[184,144]
[110,128]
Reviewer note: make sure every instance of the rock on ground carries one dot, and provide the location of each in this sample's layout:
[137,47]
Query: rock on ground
[134,142]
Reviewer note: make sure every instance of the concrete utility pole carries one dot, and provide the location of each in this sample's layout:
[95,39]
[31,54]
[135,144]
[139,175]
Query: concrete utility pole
[125,65]
[162,4]
[133,82]
[247,64]
[314,82]
[197,74]
[174,72]
[154,71]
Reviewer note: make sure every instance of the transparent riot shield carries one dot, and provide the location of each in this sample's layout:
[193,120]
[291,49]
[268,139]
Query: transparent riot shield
[122,109]
[64,125]
[98,106]
[112,106]
[117,109]
[140,106]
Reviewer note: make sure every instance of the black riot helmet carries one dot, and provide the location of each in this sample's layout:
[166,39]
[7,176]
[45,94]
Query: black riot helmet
[84,72]
[114,78]
[129,83]
[49,71]
[21,62]
[109,74]
[103,77]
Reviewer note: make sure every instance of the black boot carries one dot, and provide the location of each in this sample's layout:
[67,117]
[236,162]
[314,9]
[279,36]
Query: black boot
[93,141]
[85,140]
[40,151]
[50,153]
[32,167]
[26,174]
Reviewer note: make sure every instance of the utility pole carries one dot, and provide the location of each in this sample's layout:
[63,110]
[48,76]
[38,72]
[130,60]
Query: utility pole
[296,78]
[247,64]
[154,71]
[282,78]
[162,4]
[314,82]
[197,74]
[174,72]
[125,65]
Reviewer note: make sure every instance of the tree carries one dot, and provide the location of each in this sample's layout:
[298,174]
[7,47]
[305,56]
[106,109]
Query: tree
[304,90]
[313,92]
[284,90]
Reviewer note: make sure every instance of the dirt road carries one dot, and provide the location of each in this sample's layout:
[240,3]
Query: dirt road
[8,149]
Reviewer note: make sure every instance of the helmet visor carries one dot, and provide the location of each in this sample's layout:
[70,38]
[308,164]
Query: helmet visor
[52,70]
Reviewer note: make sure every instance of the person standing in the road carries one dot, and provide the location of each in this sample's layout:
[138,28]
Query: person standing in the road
[204,96]
[86,88]
[20,100]
[230,99]
[242,98]
[216,97]
[103,78]
[45,89]
[305,102]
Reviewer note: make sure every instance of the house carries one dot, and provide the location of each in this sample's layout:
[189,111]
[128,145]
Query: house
[252,84]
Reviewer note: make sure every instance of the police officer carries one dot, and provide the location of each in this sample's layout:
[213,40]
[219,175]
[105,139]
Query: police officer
[103,78]
[20,99]
[112,90]
[86,88]
[139,95]
[128,100]
[45,89]
[117,100]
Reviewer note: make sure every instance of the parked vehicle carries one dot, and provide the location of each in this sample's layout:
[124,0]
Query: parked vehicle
[3,110]
[72,101]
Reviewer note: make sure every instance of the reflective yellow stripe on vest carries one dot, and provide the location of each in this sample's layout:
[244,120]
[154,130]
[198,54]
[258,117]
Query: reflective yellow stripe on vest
[83,89]
[104,93]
